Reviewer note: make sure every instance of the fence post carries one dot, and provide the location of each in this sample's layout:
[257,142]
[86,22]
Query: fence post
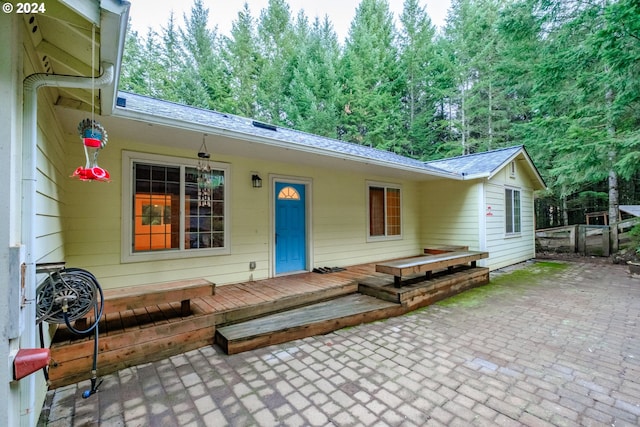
[573,238]
[615,243]
[606,242]
[582,240]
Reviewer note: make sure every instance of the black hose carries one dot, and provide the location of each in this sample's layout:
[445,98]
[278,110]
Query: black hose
[45,369]
[98,314]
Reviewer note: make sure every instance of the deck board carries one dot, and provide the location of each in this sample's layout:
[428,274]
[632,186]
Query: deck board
[420,264]
[347,305]
[305,321]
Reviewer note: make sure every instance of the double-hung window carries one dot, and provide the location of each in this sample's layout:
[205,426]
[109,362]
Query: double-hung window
[172,209]
[385,214]
[512,208]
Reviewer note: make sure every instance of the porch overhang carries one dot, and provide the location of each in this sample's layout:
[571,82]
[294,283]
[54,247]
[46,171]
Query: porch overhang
[177,126]
[66,36]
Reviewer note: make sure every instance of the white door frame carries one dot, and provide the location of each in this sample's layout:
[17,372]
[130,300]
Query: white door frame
[308,183]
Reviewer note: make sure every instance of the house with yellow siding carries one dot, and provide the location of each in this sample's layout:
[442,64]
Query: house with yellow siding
[203,194]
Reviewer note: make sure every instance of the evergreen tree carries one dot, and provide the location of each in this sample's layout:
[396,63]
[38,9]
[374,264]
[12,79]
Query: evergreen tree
[518,34]
[419,71]
[139,69]
[276,41]
[170,59]
[205,84]
[311,105]
[370,80]
[479,100]
[586,107]
[132,75]
[244,62]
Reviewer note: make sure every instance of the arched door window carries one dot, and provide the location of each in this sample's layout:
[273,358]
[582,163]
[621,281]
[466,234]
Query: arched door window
[288,193]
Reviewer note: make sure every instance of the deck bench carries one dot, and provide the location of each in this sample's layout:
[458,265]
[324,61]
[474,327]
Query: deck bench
[121,299]
[441,249]
[129,298]
[428,264]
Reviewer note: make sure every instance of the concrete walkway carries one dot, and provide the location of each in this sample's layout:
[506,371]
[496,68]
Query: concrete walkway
[560,348]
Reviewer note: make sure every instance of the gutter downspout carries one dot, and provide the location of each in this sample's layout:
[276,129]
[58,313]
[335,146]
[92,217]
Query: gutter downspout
[31,85]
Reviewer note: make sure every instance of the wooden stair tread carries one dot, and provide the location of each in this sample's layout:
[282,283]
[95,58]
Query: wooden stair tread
[344,306]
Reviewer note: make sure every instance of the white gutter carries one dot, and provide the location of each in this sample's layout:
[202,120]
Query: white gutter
[29,173]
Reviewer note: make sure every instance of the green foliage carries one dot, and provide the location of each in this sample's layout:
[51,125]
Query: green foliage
[370,78]
[276,44]
[242,57]
[311,102]
[419,67]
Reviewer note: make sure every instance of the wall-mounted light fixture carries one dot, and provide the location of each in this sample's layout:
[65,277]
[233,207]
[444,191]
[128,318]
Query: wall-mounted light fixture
[256,181]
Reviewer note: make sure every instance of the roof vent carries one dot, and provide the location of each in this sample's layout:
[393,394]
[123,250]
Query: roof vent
[121,102]
[263,125]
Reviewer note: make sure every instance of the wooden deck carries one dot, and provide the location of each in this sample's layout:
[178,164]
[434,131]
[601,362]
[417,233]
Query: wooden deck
[147,334]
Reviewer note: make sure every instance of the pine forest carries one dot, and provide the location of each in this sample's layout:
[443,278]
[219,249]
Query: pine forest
[561,77]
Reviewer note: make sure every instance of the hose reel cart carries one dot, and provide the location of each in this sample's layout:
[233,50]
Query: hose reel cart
[68,294]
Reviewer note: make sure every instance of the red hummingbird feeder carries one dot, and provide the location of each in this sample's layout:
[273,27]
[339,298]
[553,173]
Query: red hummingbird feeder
[94,138]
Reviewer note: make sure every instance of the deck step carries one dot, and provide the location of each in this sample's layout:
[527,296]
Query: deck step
[314,319]
[417,292]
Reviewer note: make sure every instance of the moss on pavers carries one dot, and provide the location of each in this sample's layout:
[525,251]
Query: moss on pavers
[504,282]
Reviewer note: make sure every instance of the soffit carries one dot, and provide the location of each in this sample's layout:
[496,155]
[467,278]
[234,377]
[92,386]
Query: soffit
[67,42]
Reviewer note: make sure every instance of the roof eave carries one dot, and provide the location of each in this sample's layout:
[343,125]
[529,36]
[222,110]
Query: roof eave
[214,130]
[538,178]
[114,18]
[470,177]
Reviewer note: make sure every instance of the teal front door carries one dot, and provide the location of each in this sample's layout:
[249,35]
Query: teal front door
[291,229]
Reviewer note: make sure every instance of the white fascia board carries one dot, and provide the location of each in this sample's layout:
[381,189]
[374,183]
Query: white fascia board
[532,167]
[113,33]
[503,164]
[195,127]
[475,176]
[90,10]
[115,6]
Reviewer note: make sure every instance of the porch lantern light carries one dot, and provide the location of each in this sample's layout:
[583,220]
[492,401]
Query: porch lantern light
[256,181]
[94,138]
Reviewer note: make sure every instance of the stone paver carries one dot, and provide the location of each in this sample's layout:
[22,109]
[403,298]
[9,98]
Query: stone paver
[563,349]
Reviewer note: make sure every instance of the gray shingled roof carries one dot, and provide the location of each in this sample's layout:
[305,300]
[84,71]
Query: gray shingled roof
[477,164]
[186,114]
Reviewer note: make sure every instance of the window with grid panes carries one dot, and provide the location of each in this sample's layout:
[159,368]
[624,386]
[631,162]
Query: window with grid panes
[174,208]
[384,211]
[512,209]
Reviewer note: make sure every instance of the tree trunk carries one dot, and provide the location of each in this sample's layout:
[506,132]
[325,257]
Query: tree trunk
[490,145]
[463,120]
[613,197]
[614,212]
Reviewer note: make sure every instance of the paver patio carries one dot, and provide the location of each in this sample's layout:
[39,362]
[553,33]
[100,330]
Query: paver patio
[559,348]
